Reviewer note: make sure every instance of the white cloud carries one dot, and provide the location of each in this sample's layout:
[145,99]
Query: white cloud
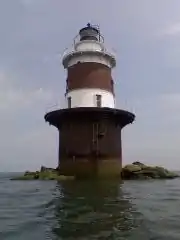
[172,30]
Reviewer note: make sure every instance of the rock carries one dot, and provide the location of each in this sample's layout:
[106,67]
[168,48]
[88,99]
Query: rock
[43,174]
[132,168]
[26,173]
[139,164]
[45,169]
[147,174]
[138,170]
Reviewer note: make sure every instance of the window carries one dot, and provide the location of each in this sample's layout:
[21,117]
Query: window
[69,102]
[98,100]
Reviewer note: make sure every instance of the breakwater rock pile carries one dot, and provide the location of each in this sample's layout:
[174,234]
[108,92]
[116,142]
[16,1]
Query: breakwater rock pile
[134,171]
[43,174]
[138,170]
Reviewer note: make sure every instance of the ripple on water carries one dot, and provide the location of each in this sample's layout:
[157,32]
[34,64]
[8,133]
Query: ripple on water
[89,210]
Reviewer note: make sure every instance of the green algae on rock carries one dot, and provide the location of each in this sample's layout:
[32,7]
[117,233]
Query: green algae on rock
[138,170]
[43,174]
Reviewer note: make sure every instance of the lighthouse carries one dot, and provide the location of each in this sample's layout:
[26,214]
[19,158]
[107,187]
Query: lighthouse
[89,125]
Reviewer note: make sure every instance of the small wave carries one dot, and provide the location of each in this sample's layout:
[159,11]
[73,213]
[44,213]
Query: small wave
[46,210]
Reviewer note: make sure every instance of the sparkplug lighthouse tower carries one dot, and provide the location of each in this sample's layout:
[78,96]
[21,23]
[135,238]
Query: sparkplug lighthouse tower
[89,125]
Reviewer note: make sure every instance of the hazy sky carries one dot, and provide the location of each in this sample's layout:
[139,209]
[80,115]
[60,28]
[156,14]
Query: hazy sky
[145,34]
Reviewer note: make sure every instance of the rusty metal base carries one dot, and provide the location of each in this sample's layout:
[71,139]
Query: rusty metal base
[90,140]
[83,168]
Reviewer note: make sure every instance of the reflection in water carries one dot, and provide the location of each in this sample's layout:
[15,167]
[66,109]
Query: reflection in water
[92,210]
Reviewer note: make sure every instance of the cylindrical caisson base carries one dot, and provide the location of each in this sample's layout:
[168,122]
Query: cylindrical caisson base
[90,141]
[90,168]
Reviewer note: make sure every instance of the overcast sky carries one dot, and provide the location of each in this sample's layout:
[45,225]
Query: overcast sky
[145,35]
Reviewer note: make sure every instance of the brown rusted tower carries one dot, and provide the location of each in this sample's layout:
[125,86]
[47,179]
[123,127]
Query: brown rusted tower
[89,125]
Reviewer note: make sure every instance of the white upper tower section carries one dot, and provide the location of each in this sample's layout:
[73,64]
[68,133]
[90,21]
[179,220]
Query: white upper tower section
[89,47]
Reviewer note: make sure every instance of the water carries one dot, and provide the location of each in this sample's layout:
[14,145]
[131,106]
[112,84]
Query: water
[89,210]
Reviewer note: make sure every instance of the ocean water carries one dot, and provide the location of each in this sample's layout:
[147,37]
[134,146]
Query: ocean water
[134,210]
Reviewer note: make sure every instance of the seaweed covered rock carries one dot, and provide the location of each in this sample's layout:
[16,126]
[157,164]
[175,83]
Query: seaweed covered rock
[43,174]
[138,170]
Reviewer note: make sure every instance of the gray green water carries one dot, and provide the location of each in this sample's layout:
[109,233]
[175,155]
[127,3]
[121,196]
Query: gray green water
[89,210]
